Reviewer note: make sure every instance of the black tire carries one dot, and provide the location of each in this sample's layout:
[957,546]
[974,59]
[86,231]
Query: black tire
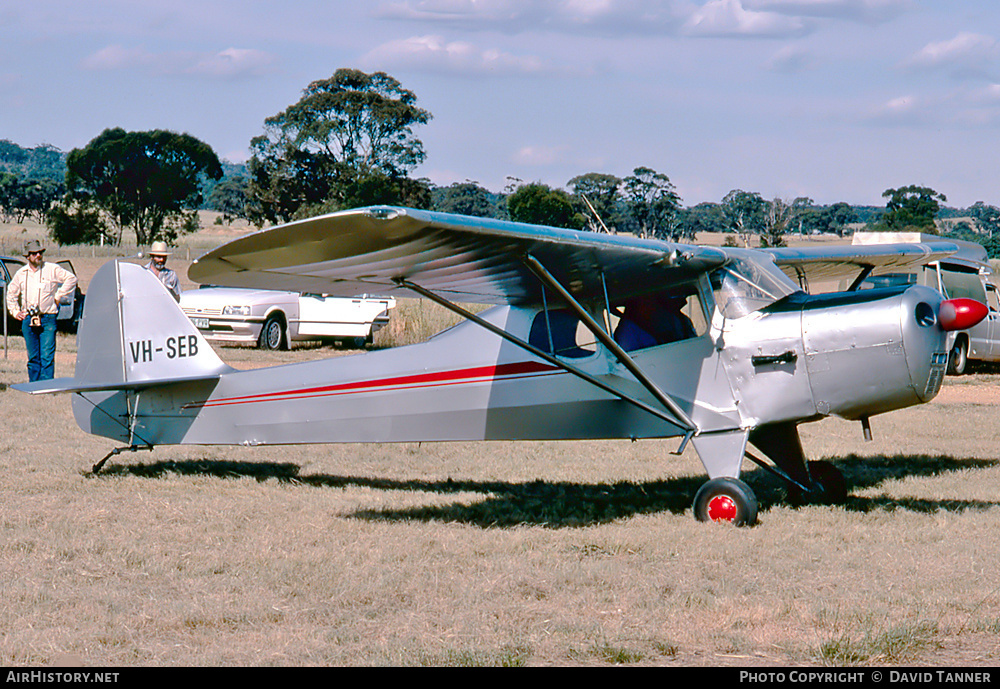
[958,357]
[726,500]
[360,342]
[272,335]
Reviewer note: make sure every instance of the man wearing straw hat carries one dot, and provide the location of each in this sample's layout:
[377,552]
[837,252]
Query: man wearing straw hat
[33,297]
[158,266]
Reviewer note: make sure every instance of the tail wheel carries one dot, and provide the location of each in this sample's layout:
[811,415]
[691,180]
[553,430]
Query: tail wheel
[958,358]
[726,500]
[828,486]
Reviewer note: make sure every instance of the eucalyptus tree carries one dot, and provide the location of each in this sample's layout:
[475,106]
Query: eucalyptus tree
[744,213]
[347,137]
[911,208]
[987,217]
[540,204]
[147,182]
[651,203]
[599,200]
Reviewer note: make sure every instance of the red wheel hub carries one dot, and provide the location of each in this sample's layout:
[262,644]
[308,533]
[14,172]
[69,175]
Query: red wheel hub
[722,508]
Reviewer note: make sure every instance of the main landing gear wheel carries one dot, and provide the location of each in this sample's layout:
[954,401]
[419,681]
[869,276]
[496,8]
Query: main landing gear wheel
[726,500]
[829,486]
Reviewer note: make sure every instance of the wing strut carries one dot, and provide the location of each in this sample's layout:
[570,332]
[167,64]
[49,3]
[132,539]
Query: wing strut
[602,335]
[865,272]
[569,368]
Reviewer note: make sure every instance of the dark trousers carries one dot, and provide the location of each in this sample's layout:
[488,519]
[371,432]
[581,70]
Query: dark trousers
[41,344]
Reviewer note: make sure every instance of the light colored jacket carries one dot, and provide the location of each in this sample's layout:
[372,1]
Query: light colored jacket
[45,288]
[169,279]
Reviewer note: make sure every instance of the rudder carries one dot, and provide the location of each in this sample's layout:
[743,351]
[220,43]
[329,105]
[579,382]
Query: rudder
[155,339]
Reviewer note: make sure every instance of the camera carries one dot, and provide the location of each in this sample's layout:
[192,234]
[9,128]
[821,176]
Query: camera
[36,317]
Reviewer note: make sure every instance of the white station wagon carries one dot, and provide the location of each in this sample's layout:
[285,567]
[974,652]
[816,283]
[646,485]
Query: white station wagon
[273,320]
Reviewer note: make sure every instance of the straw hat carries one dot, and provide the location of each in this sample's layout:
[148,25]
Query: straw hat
[33,246]
[159,249]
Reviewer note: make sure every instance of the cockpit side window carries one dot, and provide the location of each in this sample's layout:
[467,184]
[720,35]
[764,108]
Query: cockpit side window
[659,318]
[560,332]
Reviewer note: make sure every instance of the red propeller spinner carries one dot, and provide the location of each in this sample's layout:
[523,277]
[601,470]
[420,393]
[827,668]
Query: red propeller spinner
[959,314]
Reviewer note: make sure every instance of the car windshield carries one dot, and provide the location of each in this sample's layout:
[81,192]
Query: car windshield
[743,286]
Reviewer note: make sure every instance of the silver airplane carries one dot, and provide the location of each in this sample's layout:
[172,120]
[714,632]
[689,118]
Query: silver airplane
[589,336]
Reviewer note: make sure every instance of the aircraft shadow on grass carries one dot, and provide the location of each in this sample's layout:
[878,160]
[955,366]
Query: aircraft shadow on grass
[567,504]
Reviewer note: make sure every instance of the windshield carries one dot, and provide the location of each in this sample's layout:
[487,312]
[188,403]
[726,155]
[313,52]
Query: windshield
[743,286]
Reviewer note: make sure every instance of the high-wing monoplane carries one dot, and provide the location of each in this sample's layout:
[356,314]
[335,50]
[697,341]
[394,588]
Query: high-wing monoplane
[589,336]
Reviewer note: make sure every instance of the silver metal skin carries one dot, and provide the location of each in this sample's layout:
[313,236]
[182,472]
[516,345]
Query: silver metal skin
[769,357]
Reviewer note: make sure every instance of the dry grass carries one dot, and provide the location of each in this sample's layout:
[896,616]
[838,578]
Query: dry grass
[492,554]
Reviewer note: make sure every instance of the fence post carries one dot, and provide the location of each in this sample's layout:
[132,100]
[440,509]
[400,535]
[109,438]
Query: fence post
[5,320]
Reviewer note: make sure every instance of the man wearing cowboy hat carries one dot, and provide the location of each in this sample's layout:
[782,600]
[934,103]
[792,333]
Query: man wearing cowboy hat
[33,297]
[158,266]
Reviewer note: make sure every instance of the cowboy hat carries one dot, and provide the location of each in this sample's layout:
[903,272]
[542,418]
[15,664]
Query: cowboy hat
[159,249]
[34,246]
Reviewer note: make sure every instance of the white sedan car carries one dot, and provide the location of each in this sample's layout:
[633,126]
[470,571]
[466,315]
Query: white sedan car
[273,320]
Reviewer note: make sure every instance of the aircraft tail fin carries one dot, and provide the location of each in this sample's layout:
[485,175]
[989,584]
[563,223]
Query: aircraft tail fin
[133,335]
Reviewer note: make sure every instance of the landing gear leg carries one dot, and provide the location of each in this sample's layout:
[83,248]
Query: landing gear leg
[724,498]
[117,451]
[828,486]
[818,482]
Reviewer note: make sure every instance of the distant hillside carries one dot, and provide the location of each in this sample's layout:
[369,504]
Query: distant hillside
[41,162]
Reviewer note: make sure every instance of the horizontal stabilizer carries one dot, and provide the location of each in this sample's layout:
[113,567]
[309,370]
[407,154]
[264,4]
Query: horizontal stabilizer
[57,385]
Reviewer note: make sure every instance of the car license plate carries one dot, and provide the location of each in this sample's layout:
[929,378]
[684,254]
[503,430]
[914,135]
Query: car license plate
[200,323]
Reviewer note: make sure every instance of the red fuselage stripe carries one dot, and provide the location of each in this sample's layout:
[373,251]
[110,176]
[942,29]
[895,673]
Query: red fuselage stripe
[420,380]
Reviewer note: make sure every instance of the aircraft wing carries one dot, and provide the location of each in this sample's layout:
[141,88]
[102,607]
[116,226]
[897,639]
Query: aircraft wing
[829,263]
[466,259]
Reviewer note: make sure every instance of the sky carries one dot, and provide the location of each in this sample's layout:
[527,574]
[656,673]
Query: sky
[834,100]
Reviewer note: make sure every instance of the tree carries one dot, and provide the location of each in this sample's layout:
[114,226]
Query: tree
[144,181]
[41,162]
[9,184]
[839,216]
[76,224]
[343,131]
[704,217]
[464,198]
[539,204]
[21,198]
[826,219]
[229,197]
[598,200]
[651,203]
[987,217]
[910,209]
[744,212]
[781,218]
[777,218]
[378,188]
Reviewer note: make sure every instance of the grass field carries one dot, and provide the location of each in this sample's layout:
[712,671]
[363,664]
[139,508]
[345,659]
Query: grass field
[491,554]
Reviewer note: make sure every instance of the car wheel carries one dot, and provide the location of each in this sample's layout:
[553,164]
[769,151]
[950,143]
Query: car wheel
[272,335]
[958,358]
